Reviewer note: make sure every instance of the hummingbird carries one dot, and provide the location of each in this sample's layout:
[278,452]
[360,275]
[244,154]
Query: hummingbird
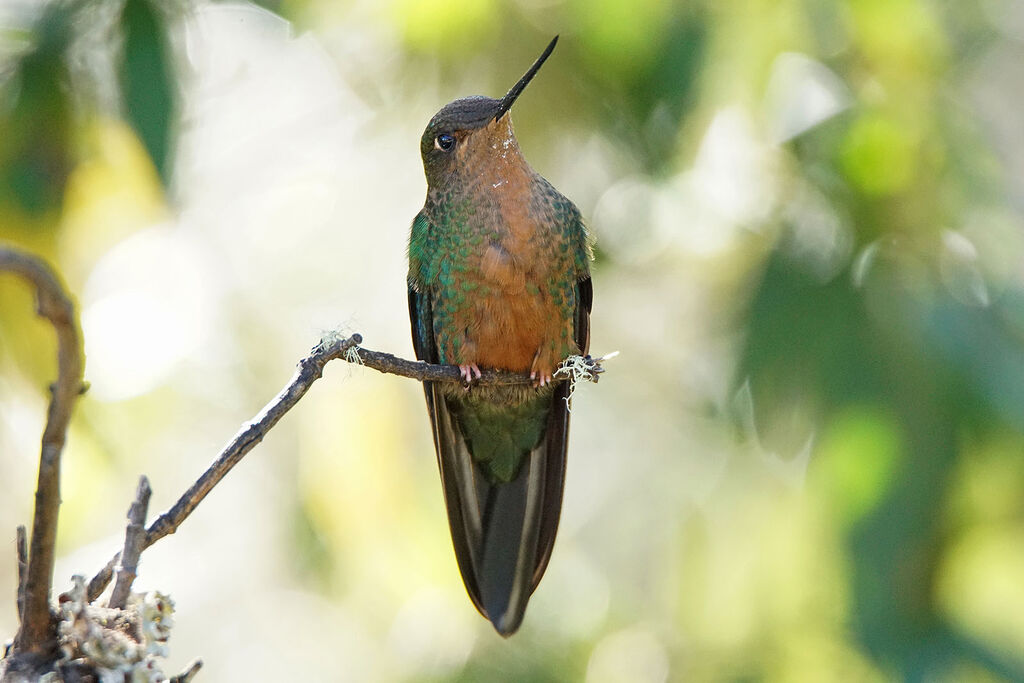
[499,278]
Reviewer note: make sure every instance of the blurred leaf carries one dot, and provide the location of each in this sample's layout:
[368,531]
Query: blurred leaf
[879,155]
[146,77]
[899,35]
[431,25]
[648,57]
[986,345]
[860,449]
[808,338]
[623,37]
[35,155]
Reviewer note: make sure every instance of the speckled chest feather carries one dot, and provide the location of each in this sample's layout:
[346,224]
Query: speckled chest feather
[500,250]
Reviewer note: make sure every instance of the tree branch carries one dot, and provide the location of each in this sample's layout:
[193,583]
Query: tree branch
[308,371]
[102,579]
[393,365]
[52,303]
[134,536]
[189,673]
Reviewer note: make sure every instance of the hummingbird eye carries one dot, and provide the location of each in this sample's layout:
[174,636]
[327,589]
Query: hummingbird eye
[444,142]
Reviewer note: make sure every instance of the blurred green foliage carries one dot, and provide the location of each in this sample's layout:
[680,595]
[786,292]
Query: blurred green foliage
[35,150]
[811,206]
[146,79]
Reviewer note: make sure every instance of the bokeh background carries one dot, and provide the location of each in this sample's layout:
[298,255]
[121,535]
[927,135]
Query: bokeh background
[807,464]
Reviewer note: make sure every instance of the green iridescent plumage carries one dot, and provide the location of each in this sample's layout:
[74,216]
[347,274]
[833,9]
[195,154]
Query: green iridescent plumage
[453,234]
[498,277]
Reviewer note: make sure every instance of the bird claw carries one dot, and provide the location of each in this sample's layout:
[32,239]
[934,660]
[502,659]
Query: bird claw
[540,379]
[469,373]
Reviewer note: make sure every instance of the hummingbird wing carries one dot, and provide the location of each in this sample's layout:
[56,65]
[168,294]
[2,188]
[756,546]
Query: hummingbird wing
[453,458]
[503,532]
[556,438]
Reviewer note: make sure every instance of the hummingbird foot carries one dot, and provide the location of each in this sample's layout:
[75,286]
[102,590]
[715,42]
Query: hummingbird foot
[469,373]
[541,378]
[543,368]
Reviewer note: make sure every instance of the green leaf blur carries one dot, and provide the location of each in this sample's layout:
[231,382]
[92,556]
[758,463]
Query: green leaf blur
[145,79]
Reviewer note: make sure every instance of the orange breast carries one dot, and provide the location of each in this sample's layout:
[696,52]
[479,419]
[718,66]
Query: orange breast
[511,331]
[512,317]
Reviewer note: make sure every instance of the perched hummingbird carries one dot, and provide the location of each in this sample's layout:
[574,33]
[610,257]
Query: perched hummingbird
[499,278]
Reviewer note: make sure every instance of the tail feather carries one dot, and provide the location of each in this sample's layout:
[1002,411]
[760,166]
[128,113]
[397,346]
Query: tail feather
[503,532]
[511,529]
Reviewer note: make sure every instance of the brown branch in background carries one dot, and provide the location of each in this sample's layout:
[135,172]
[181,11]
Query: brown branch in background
[52,303]
[22,543]
[134,536]
[102,579]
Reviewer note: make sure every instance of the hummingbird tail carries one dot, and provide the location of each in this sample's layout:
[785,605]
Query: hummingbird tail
[503,522]
[503,531]
[511,525]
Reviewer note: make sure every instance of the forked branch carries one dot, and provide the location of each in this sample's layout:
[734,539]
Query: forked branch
[52,303]
[36,637]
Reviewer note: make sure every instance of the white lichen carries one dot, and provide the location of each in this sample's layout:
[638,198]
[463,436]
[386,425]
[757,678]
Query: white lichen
[334,336]
[118,644]
[580,369]
[157,613]
[352,356]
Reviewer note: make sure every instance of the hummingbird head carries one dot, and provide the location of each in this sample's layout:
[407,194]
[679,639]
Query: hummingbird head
[470,123]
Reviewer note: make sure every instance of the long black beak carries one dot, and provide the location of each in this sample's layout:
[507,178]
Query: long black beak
[517,89]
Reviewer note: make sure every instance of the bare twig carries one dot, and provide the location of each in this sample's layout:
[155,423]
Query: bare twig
[393,365]
[52,303]
[134,536]
[102,579]
[309,370]
[190,672]
[22,544]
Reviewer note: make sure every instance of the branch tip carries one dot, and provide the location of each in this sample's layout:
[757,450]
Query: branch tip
[134,538]
[189,673]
